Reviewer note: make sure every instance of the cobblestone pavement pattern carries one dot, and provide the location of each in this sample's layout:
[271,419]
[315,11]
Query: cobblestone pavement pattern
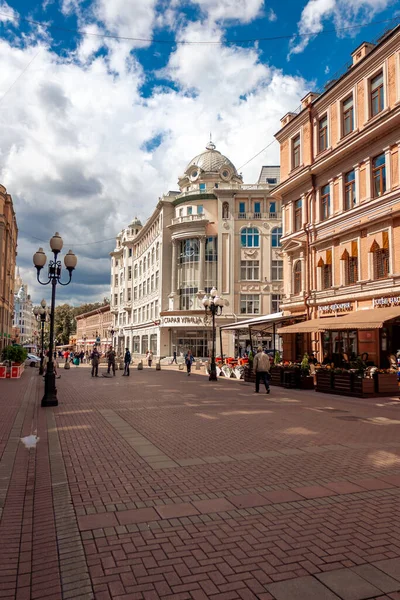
[164,486]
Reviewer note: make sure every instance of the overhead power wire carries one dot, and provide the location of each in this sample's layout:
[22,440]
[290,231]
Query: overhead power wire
[188,42]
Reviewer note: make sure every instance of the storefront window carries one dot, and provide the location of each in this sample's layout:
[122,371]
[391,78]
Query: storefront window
[145,344]
[340,346]
[199,342]
[136,344]
[153,343]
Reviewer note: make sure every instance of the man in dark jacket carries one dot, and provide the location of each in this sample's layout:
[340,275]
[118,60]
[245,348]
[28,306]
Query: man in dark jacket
[127,362]
[95,358]
[111,360]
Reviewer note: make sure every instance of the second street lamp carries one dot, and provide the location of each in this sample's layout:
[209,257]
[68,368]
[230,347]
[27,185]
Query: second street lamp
[41,313]
[213,304]
[54,277]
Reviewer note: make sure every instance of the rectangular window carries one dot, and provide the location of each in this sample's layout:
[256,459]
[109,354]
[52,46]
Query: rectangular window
[349,190]
[277,270]
[152,283]
[250,270]
[379,175]
[242,210]
[348,115]
[129,273]
[257,210]
[352,270]
[135,293]
[116,280]
[202,187]
[156,313]
[120,298]
[135,316]
[200,209]
[298,215]
[189,210]
[249,304]
[296,152]
[271,180]
[325,202]
[381,263]
[377,95]
[323,134]
[140,290]
[129,295]
[130,252]
[272,209]
[276,303]
[115,298]
[326,277]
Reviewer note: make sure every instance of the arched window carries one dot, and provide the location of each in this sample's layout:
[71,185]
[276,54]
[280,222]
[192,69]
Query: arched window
[380,261]
[140,268]
[297,278]
[225,210]
[276,235]
[250,237]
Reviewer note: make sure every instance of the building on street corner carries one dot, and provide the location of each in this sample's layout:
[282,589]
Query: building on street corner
[25,325]
[93,328]
[213,231]
[340,193]
[8,255]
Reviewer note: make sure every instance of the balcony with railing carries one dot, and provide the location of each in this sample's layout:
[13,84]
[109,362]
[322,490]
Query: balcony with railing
[189,218]
[251,216]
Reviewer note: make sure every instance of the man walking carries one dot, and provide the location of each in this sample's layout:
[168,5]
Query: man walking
[261,367]
[111,360]
[189,360]
[174,359]
[95,358]
[127,362]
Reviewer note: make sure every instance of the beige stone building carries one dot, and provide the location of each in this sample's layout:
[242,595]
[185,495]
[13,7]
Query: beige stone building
[213,231]
[94,328]
[23,319]
[8,254]
[340,193]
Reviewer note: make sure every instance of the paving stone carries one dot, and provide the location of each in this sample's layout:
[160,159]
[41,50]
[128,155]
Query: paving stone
[173,511]
[390,566]
[344,487]
[314,491]
[378,578]
[302,588]
[279,496]
[214,505]
[372,484]
[97,521]
[248,500]
[348,585]
[139,515]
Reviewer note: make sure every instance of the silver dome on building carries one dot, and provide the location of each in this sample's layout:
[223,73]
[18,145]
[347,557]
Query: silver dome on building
[211,161]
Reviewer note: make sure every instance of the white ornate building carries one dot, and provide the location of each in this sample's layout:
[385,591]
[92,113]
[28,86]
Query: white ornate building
[24,320]
[214,231]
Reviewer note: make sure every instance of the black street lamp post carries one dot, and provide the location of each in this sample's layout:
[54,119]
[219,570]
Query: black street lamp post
[213,305]
[41,313]
[54,277]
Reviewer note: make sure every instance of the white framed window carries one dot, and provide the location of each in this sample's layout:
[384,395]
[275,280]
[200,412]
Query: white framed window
[250,270]
[249,304]
[277,270]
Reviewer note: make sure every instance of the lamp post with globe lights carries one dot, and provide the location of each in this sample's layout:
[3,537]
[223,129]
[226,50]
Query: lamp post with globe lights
[213,305]
[41,313]
[54,277]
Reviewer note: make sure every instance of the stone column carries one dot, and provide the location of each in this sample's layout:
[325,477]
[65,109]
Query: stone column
[202,240]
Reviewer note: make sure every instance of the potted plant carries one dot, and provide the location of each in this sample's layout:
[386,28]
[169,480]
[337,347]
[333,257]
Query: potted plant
[306,380]
[16,355]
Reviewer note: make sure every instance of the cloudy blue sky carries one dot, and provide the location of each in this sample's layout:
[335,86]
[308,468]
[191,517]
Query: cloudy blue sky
[94,128]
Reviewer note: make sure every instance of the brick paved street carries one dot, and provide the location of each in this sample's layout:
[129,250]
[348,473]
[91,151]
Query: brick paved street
[165,486]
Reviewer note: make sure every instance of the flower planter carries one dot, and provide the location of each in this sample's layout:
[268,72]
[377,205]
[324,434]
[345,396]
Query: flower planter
[343,383]
[276,376]
[307,383]
[386,384]
[324,381]
[363,387]
[3,371]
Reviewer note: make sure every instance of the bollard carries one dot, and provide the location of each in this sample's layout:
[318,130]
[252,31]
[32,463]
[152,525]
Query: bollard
[67,365]
[158,366]
[198,365]
[181,366]
[140,365]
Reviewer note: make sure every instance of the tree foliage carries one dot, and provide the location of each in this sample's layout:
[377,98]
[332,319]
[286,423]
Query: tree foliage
[64,318]
[15,353]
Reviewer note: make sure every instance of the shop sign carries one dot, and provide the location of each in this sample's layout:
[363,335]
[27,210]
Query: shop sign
[383,302]
[334,308]
[180,321]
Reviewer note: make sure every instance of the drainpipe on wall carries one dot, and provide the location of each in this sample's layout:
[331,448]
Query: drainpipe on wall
[310,200]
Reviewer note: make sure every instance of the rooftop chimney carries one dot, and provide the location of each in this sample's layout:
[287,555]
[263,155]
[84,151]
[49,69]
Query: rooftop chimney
[362,50]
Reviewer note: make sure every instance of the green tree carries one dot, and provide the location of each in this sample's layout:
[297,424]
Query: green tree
[64,322]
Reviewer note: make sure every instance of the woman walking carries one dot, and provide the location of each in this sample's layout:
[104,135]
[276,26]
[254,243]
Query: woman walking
[189,358]
[149,355]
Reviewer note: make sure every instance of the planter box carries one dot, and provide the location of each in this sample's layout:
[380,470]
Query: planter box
[16,371]
[249,375]
[386,384]
[343,383]
[307,383]
[276,376]
[363,387]
[324,381]
[3,371]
